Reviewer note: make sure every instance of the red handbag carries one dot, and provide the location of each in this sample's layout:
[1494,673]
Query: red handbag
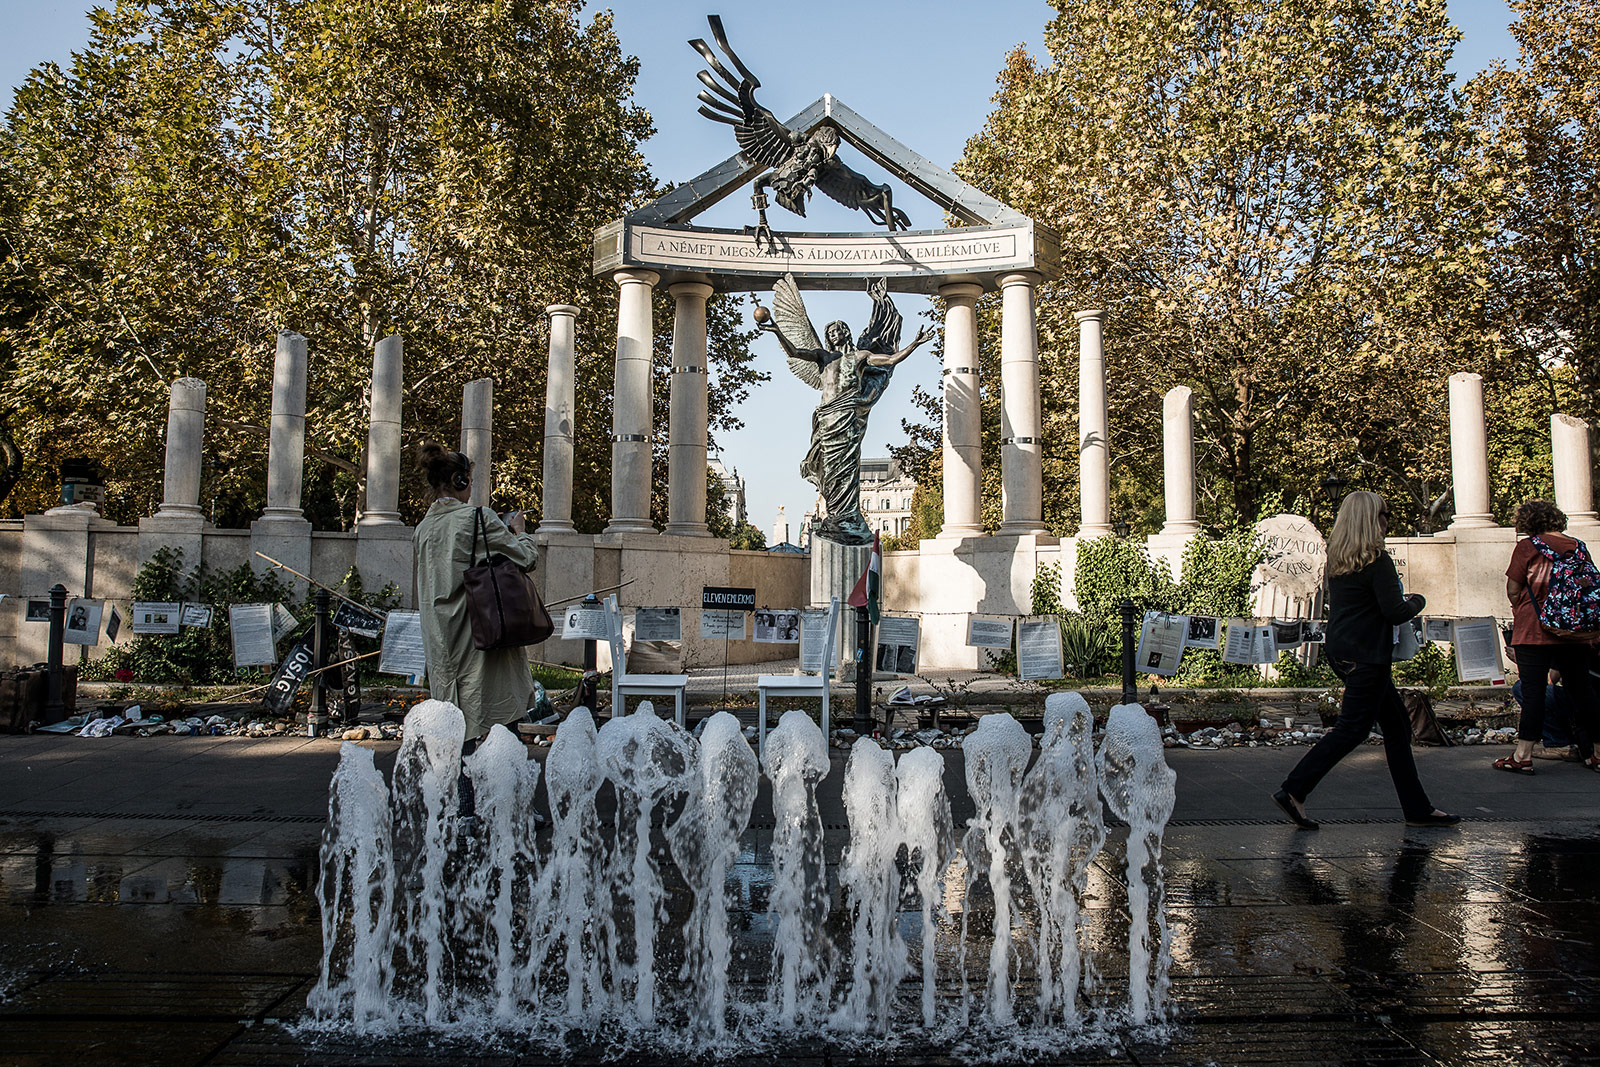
[502,601]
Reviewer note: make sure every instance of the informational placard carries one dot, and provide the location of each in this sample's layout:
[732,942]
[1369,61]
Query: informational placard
[813,638]
[658,624]
[402,651]
[1038,647]
[1439,629]
[1204,632]
[253,643]
[288,678]
[283,622]
[113,623]
[898,637]
[584,624]
[352,618]
[1248,642]
[344,681]
[1286,633]
[990,631]
[196,615]
[728,598]
[155,617]
[1161,638]
[777,627]
[37,611]
[1478,651]
[718,624]
[83,621]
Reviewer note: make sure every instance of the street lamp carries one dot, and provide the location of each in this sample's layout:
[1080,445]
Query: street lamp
[1120,529]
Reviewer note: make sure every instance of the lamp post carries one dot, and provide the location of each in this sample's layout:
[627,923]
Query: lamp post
[1332,492]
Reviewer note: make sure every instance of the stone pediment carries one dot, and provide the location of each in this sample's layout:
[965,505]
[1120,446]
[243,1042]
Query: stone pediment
[996,239]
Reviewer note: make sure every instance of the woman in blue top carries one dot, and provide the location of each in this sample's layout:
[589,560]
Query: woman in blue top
[1365,603]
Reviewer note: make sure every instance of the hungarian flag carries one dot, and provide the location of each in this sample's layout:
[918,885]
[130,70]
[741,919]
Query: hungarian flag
[865,594]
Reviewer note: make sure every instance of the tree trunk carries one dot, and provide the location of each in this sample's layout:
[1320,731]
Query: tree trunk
[12,471]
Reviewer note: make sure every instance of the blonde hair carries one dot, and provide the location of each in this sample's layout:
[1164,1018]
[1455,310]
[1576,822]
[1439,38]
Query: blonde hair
[1358,533]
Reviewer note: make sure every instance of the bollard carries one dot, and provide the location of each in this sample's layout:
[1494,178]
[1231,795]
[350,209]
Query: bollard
[54,707]
[318,718]
[864,722]
[1130,692]
[589,687]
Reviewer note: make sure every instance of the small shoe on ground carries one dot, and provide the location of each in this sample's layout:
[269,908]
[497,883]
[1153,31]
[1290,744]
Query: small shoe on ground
[1433,818]
[1286,804]
[1514,765]
[1592,763]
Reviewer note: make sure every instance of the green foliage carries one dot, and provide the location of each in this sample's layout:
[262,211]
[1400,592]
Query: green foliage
[1293,674]
[748,537]
[1089,647]
[1216,575]
[1432,667]
[1110,570]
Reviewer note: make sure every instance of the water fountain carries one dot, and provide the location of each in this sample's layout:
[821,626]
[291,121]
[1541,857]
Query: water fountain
[435,923]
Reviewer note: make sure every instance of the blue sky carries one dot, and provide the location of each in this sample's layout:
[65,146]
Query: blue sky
[923,70]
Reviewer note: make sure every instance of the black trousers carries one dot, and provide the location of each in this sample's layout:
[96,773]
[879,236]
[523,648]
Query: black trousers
[1369,697]
[1534,663]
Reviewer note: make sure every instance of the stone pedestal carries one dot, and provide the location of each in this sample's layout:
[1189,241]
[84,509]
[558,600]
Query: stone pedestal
[283,532]
[688,413]
[1574,476]
[835,569]
[1469,453]
[963,412]
[1177,453]
[383,436]
[57,546]
[477,437]
[1022,447]
[559,399]
[631,412]
[383,555]
[1094,447]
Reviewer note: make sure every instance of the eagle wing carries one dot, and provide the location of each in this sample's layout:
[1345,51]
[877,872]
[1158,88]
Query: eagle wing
[851,188]
[789,312]
[732,100]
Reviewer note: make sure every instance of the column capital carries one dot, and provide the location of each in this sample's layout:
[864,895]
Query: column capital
[1466,376]
[570,310]
[1030,278]
[960,293]
[698,285]
[1093,315]
[647,277]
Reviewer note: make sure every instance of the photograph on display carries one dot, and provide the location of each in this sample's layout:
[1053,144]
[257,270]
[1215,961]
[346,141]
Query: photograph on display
[1286,633]
[38,611]
[1161,641]
[1438,629]
[1204,631]
[113,623]
[83,622]
[584,624]
[196,615]
[777,627]
[1313,632]
[155,617]
[897,644]
[658,624]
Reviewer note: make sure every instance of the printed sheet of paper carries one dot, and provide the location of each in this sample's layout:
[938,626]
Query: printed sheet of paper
[283,622]
[658,624]
[813,638]
[1478,651]
[779,626]
[584,624]
[402,651]
[1438,629]
[357,620]
[113,622]
[990,631]
[1039,647]
[721,624]
[897,644]
[1248,642]
[37,611]
[1204,632]
[1286,633]
[196,615]
[155,617]
[1161,640]
[253,644]
[83,621]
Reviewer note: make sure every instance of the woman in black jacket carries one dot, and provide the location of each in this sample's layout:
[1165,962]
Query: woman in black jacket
[1365,603]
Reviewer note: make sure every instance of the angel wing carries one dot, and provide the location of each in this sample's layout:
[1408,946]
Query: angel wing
[732,100]
[789,313]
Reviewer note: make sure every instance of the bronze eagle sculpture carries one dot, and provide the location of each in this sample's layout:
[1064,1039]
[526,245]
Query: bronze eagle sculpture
[798,163]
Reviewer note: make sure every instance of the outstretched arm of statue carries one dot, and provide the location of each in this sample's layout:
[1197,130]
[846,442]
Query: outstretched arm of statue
[923,334]
[810,355]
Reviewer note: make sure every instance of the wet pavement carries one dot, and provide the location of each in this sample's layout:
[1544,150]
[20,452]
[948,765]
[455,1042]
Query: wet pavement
[158,907]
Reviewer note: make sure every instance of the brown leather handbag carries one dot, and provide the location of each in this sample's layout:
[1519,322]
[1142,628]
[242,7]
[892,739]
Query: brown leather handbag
[502,601]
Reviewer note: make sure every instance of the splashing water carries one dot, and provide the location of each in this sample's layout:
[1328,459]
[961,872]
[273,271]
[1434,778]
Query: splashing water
[872,884]
[357,870]
[1139,787]
[997,754]
[705,840]
[796,759]
[923,809]
[647,760]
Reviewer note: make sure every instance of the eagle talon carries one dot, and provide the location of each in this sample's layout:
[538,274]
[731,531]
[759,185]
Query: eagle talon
[764,233]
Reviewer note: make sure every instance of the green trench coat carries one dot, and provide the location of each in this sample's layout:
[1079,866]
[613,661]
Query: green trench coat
[488,687]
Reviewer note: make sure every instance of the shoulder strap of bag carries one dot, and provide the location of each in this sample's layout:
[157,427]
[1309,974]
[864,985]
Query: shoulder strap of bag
[479,526]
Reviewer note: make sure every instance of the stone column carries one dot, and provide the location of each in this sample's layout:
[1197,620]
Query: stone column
[1469,453]
[560,396]
[286,448]
[383,435]
[1570,457]
[1094,446]
[631,405]
[1177,452]
[688,412]
[963,413]
[477,436]
[186,428]
[1021,456]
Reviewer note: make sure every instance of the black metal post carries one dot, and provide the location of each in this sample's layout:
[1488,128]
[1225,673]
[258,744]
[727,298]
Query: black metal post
[54,706]
[1130,692]
[864,721]
[320,624]
[588,688]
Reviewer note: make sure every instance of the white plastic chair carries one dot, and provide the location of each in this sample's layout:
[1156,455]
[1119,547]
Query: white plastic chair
[799,685]
[623,683]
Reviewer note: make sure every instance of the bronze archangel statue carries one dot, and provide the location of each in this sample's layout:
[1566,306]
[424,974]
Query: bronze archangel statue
[851,379]
[799,163]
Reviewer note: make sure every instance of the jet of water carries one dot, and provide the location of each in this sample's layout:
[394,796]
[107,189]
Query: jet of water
[796,759]
[871,883]
[923,809]
[997,753]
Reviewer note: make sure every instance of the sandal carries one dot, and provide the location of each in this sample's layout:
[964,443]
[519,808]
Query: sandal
[1514,765]
[1592,763]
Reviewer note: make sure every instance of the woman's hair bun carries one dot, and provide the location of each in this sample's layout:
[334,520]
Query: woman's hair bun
[429,453]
